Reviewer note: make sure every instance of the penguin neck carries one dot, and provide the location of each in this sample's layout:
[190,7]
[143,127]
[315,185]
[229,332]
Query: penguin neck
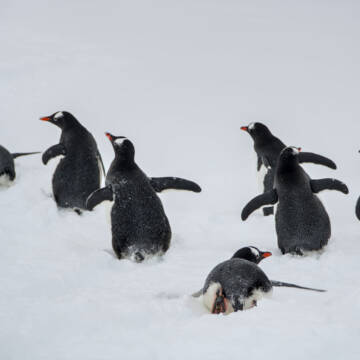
[124,161]
[72,125]
[288,165]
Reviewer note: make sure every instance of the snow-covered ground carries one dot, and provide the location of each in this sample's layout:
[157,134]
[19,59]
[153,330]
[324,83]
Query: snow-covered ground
[178,78]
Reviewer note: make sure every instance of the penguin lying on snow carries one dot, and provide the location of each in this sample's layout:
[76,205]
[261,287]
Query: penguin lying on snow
[302,222]
[139,224]
[268,148]
[238,283]
[7,165]
[79,173]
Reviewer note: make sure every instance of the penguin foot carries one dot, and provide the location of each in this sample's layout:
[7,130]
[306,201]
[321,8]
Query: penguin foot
[219,303]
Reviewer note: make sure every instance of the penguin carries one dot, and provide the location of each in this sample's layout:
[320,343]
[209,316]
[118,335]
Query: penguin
[79,172]
[7,165]
[357,209]
[268,148]
[302,223]
[238,283]
[140,227]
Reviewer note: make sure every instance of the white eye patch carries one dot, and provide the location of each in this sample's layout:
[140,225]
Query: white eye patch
[254,251]
[119,141]
[251,126]
[295,151]
[58,115]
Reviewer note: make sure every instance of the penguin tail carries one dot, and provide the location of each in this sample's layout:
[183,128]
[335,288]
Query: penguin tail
[16,155]
[138,257]
[284,284]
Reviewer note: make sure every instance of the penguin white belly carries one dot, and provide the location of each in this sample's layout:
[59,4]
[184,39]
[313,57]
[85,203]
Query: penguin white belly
[100,171]
[261,177]
[5,180]
[253,299]
[108,205]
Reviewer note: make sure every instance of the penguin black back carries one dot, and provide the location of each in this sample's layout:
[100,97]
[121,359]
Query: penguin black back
[268,148]
[302,222]
[7,165]
[78,174]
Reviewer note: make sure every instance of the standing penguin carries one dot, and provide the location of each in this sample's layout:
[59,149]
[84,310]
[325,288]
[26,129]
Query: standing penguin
[268,148]
[78,174]
[357,209]
[238,283]
[302,223]
[7,165]
[139,224]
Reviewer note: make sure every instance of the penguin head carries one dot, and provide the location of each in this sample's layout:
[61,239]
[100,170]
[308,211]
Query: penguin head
[123,147]
[256,130]
[290,155]
[251,253]
[62,119]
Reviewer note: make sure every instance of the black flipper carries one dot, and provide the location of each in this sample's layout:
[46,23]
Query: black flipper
[16,155]
[53,151]
[163,183]
[283,284]
[357,210]
[328,184]
[267,198]
[307,157]
[99,196]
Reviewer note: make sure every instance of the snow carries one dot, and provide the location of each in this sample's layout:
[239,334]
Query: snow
[178,78]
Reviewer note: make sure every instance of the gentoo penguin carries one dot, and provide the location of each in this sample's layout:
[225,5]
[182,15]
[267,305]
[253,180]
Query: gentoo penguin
[302,223]
[139,224]
[79,173]
[268,148]
[7,165]
[357,209]
[238,283]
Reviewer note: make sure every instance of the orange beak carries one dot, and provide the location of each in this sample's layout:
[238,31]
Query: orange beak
[109,136]
[46,118]
[266,254]
[245,128]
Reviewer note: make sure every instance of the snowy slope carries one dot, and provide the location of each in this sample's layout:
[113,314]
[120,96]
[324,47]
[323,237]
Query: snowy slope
[178,78]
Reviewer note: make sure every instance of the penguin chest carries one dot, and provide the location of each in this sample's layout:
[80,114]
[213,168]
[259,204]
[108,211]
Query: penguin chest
[5,180]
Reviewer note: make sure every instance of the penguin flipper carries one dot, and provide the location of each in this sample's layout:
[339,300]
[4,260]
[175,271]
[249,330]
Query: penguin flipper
[53,151]
[328,184]
[308,157]
[16,155]
[162,183]
[284,284]
[99,196]
[267,198]
[357,210]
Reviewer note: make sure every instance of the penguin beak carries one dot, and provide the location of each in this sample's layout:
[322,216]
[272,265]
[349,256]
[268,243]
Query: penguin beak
[109,136]
[46,118]
[266,254]
[245,128]
[299,149]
